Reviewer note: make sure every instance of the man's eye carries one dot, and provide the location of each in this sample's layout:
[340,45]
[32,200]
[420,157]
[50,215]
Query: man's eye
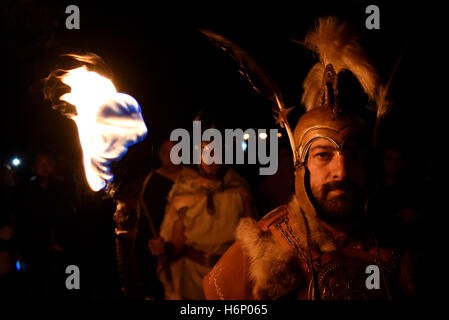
[323,155]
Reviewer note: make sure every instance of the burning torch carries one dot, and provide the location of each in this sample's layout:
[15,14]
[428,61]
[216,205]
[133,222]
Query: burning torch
[108,123]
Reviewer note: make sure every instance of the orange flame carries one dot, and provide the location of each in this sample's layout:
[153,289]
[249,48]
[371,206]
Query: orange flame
[108,122]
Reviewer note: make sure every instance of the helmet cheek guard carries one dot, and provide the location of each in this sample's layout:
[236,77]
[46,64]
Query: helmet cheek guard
[301,191]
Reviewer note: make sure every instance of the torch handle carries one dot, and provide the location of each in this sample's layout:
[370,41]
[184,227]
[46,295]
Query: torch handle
[142,205]
[151,227]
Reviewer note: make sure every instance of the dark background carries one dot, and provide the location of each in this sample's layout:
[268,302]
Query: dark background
[157,55]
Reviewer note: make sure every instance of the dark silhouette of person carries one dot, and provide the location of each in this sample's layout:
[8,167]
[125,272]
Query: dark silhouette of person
[44,228]
[155,195]
[399,199]
[8,253]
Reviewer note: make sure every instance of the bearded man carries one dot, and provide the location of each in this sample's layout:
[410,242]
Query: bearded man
[320,245]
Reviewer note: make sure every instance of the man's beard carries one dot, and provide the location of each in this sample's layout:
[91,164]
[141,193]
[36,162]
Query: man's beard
[340,207]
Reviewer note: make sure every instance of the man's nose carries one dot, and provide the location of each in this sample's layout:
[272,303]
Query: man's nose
[339,170]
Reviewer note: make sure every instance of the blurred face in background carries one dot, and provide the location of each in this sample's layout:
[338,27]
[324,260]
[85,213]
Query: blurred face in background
[394,163]
[44,166]
[210,169]
[7,177]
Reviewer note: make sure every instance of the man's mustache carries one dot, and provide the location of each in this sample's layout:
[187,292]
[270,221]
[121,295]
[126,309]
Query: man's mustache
[346,186]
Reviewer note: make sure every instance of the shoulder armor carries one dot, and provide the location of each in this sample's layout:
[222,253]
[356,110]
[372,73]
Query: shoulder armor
[274,216]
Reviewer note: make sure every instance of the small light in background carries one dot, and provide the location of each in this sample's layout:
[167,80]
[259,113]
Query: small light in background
[279,134]
[16,162]
[263,135]
[21,265]
[246,136]
[244,145]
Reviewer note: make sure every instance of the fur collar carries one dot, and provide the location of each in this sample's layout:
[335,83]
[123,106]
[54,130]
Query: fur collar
[274,270]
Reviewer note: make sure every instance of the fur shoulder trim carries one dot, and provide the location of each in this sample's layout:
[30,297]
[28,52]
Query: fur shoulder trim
[273,268]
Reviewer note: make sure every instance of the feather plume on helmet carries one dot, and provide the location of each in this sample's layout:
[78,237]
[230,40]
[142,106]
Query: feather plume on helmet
[339,53]
[336,44]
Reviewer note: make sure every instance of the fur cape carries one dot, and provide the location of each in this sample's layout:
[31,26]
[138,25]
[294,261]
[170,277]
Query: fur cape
[274,268]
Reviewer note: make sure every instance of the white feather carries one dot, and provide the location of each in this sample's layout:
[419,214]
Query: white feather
[337,44]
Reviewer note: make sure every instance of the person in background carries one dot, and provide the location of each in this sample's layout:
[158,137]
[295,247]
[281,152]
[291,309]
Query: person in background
[204,208]
[399,199]
[156,188]
[46,212]
[7,229]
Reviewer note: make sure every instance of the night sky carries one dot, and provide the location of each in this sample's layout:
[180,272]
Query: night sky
[157,55]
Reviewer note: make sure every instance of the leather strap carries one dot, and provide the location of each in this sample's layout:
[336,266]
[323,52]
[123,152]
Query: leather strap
[200,257]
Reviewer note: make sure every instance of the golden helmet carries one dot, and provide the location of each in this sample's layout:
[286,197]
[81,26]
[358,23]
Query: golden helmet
[338,49]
